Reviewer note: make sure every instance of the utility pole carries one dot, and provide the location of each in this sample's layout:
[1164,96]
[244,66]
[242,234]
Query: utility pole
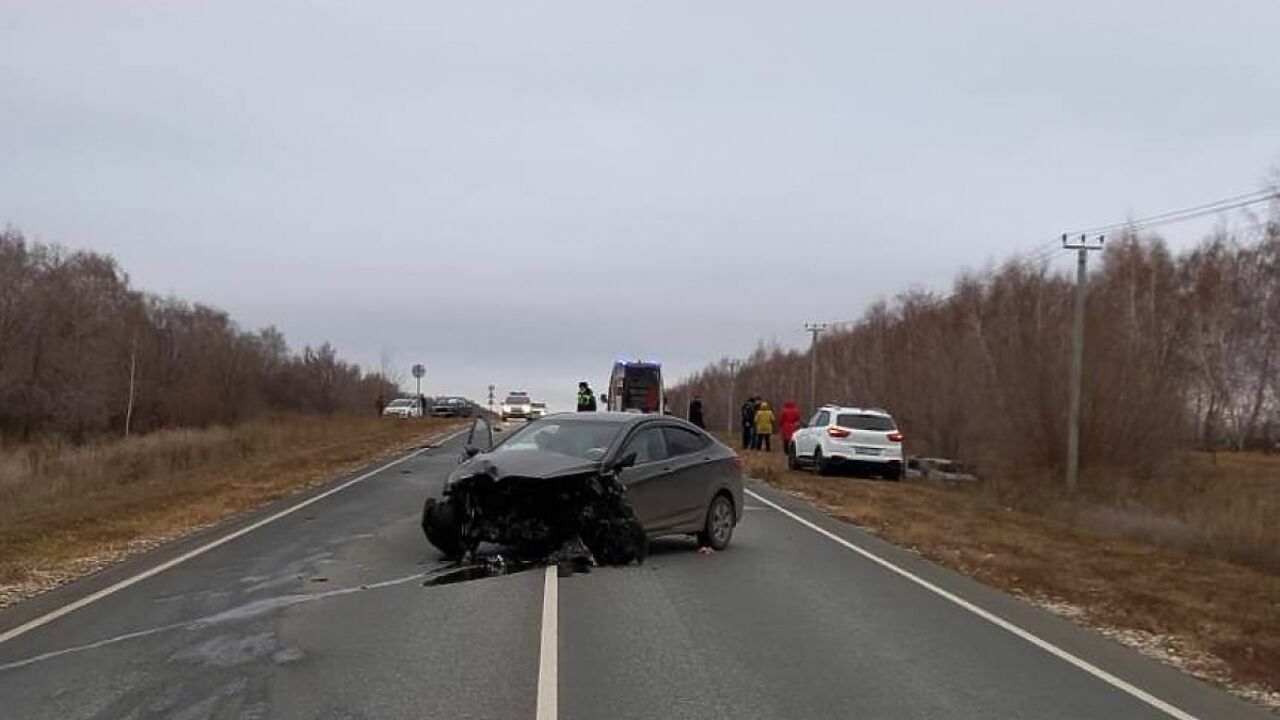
[733,378]
[491,389]
[814,329]
[1082,248]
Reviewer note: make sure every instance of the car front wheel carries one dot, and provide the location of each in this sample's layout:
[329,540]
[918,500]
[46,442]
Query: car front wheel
[719,525]
[820,465]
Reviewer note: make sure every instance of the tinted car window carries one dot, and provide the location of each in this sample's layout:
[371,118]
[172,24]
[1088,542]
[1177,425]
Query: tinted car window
[878,423]
[681,441]
[821,419]
[648,445]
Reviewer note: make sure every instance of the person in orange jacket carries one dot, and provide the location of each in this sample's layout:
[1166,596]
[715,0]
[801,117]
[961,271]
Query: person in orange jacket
[788,421]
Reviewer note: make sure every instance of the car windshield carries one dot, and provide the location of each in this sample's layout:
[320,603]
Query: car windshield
[517,400]
[589,440]
[859,421]
[402,403]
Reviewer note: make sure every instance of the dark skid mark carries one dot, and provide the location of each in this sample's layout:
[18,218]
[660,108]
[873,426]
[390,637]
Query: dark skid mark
[484,566]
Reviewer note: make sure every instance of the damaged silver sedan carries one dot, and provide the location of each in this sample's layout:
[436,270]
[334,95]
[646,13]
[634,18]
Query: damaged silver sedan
[587,488]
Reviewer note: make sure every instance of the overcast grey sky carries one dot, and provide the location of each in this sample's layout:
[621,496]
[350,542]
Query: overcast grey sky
[520,192]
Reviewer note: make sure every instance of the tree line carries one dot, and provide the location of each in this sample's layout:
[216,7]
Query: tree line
[1182,350]
[82,353]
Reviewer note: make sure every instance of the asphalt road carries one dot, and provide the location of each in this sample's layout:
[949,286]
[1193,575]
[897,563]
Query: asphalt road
[322,613]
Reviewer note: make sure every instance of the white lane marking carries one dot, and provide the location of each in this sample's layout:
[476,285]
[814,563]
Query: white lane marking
[548,657]
[156,570]
[992,618]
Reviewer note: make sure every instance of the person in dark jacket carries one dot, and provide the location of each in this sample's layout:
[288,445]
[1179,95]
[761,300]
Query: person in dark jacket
[695,412]
[749,423]
[422,403]
[586,398]
[380,404]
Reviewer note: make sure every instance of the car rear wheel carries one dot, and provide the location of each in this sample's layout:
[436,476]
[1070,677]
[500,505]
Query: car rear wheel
[718,529]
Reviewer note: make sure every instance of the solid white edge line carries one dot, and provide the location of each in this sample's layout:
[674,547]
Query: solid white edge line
[156,570]
[990,617]
[548,654]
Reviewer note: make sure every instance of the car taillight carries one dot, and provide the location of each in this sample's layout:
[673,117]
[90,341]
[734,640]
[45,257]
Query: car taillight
[895,437]
[837,432]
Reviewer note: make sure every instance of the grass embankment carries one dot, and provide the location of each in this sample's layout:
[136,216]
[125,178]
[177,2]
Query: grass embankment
[1154,582]
[67,510]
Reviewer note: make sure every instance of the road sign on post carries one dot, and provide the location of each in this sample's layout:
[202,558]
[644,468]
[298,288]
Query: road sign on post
[418,372]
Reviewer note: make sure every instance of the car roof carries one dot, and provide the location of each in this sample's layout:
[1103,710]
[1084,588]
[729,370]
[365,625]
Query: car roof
[621,418]
[858,410]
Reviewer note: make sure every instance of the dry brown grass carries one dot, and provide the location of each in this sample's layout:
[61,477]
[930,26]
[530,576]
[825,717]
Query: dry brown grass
[1223,506]
[66,510]
[1214,618]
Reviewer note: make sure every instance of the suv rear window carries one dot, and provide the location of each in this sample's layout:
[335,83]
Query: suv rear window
[877,423]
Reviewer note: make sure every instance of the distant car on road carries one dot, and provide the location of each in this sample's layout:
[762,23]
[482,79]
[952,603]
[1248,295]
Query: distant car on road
[449,407]
[537,410]
[516,406]
[679,479]
[865,439]
[403,408]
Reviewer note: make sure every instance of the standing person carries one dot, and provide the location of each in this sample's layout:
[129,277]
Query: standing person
[380,404]
[764,427]
[748,412]
[422,403]
[586,398]
[695,412]
[788,421]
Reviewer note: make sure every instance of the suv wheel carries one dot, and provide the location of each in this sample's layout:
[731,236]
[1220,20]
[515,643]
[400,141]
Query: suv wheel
[820,465]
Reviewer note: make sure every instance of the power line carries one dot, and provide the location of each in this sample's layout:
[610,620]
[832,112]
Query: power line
[1175,216]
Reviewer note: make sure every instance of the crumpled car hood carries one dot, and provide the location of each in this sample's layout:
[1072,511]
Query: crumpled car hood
[543,505]
[525,464]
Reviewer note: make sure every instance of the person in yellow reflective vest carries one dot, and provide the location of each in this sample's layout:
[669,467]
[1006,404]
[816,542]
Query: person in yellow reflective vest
[586,398]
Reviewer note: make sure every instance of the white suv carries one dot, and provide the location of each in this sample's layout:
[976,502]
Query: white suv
[865,439]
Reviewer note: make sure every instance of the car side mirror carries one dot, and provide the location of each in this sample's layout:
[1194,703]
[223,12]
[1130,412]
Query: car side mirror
[470,451]
[625,461]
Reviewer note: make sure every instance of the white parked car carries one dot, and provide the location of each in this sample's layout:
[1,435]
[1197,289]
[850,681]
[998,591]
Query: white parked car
[858,439]
[537,410]
[403,408]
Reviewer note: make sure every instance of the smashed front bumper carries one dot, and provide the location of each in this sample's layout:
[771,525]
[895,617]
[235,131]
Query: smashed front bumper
[580,518]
